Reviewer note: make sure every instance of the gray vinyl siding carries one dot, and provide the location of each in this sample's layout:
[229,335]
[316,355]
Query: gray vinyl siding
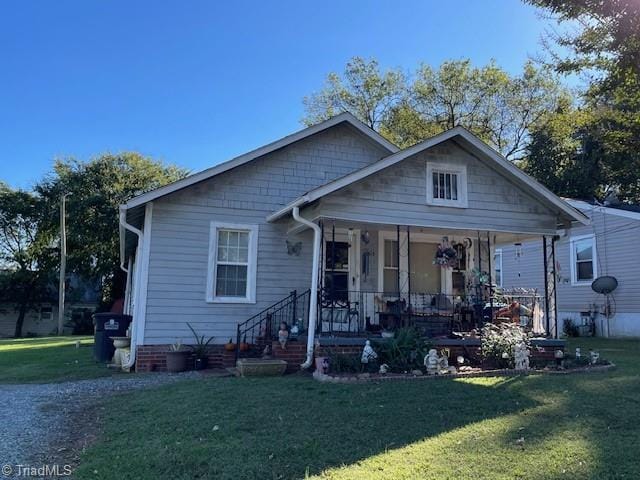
[398,195]
[616,237]
[180,226]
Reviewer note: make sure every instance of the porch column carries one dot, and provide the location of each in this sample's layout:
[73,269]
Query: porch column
[549,264]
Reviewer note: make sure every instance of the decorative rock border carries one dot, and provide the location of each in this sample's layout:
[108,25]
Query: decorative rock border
[366,377]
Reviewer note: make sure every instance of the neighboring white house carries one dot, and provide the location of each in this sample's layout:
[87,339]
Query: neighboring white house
[341,216]
[584,253]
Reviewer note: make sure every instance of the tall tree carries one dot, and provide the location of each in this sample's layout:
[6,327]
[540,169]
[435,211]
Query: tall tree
[605,46]
[97,189]
[498,107]
[27,253]
[363,90]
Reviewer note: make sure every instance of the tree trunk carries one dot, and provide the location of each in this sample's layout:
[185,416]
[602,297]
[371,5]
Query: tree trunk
[22,312]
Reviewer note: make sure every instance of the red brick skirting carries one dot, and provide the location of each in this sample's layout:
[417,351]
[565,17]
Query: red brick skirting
[152,358]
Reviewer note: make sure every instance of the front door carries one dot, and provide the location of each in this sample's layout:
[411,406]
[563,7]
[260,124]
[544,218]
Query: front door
[341,281]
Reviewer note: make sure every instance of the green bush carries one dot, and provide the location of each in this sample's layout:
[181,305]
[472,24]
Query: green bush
[569,328]
[499,342]
[404,352]
[344,363]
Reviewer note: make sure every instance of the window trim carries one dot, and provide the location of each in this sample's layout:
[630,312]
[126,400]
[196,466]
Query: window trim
[212,266]
[498,251]
[460,171]
[41,318]
[594,259]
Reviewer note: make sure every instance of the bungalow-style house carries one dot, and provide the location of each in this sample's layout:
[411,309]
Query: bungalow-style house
[584,253]
[336,232]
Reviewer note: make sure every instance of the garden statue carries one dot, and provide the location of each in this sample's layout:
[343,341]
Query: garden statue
[368,353]
[443,363]
[432,362]
[521,354]
[578,353]
[384,368]
[593,357]
[283,335]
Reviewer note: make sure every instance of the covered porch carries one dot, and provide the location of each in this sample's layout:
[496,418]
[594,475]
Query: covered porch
[375,278]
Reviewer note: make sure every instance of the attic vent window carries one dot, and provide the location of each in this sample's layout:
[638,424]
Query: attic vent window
[447,185]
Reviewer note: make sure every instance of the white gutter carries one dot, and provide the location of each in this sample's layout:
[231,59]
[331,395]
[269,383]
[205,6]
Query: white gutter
[140,234]
[313,301]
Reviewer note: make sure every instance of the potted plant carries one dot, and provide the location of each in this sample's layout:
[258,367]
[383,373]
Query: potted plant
[199,349]
[177,357]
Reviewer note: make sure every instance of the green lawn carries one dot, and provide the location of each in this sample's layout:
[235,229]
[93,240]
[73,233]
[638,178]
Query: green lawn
[576,426]
[48,359]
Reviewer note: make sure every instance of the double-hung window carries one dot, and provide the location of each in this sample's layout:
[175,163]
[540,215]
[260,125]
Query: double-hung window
[583,259]
[447,185]
[232,263]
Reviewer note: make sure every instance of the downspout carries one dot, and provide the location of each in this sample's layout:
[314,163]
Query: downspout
[313,300]
[140,235]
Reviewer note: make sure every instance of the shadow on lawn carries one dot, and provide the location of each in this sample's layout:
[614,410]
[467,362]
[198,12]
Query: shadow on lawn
[588,421]
[287,427]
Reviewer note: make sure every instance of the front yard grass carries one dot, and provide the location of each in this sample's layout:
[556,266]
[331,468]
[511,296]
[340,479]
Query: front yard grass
[48,359]
[538,427]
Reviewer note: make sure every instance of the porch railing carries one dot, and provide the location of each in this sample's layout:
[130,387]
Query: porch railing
[354,313]
[256,333]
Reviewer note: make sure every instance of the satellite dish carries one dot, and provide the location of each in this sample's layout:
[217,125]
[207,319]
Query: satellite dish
[604,285]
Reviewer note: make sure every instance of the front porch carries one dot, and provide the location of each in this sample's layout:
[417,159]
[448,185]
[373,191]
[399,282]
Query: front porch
[374,279]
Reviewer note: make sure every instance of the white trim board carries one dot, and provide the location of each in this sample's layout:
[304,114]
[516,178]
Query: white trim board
[252,264]
[259,152]
[141,289]
[498,161]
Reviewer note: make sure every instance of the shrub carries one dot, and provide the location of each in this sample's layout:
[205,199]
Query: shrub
[569,328]
[404,352]
[344,363]
[499,342]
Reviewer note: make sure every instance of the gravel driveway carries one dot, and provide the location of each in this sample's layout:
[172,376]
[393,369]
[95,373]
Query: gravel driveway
[34,418]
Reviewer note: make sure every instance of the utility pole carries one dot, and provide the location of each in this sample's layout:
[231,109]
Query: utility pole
[63,262]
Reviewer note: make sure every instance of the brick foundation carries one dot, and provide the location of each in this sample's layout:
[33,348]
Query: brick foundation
[152,358]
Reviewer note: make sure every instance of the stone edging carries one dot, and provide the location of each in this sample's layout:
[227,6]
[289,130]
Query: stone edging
[364,378]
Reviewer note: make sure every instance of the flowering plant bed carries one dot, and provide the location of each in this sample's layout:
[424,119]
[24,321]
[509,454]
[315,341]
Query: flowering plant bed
[470,373]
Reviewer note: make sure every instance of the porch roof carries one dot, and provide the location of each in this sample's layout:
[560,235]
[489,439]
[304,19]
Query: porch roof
[468,141]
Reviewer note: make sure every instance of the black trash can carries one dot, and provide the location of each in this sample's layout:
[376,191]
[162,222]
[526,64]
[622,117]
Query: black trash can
[107,325]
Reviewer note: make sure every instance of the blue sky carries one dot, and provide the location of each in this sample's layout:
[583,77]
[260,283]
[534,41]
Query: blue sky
[196,83]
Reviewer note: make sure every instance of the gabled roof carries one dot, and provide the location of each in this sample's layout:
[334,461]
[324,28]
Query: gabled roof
[626,211]
[252,155]
[458,133]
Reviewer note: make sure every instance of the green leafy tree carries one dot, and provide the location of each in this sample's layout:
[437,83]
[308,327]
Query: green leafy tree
[496,106]
[97,188]
[27,253]
[603,43]
[363,90]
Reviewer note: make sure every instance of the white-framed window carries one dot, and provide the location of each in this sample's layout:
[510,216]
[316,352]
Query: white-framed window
[447,185]
[390,267]
[497,262]
[583,259]
[46,314]
[233,255]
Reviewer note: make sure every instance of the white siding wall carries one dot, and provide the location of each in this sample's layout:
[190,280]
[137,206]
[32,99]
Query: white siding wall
[180,233]
[398,195]
[615,243]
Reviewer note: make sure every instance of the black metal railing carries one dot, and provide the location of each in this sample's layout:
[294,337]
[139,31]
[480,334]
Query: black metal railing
[256,333]
[354,313]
